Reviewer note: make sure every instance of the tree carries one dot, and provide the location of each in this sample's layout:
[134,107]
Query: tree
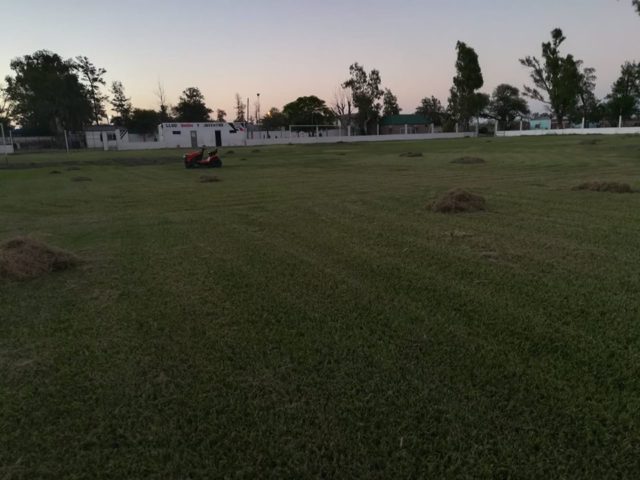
[144,122]
[432,109]
[557,80]
[93,78]
[390,104]
[121,104]
[191,106]
[636,3]
[4,107]
[365,94]
[46,94]
[239,109]
[309,110]
[342,105]
[274,119]
[624,99]
[589,107]
[464,100]
[162,103]
[220,115]
[506,105]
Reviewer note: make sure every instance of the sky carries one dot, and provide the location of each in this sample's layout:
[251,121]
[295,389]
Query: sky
[283,49]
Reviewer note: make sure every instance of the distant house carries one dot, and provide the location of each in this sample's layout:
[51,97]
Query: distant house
[97,135]
[401,124]
[540,124]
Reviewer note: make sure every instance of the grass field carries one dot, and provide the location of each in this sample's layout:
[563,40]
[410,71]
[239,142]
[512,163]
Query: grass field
[309,317]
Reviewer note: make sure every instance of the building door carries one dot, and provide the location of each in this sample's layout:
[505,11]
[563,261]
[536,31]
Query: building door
[194,139]
[218,138]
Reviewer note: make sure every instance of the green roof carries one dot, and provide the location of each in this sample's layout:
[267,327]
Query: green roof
[404,120]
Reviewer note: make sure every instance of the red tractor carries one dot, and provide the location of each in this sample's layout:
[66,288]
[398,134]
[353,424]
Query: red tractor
[197,160]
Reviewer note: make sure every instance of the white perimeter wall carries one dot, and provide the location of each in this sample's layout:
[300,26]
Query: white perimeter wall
[357,138]
[6,149]
[570,131]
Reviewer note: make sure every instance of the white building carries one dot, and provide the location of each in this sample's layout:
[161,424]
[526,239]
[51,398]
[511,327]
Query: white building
[196,135]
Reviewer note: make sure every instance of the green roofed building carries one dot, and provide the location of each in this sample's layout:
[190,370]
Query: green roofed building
[401,124]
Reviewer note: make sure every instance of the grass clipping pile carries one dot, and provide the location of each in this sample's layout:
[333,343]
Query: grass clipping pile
[611,187]
[459,201]
[24,258]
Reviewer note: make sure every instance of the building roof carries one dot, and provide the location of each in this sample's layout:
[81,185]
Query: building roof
[101,128]
[408,119]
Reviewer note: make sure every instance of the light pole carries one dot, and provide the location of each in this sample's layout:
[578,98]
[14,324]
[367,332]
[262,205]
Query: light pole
[258,111]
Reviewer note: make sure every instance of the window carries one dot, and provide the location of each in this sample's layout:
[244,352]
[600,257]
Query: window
[111,137]
[177,132]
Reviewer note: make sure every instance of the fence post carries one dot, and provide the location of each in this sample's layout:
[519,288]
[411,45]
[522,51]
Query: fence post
[520,124]
[349,131]
[497,128]
[66,141]
[620,121]
[457,128]
[406,129]
[378,129]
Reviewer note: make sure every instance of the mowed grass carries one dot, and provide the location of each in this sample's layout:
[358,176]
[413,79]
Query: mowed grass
[309,317]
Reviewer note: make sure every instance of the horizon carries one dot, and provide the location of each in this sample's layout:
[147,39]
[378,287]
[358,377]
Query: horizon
[300,48]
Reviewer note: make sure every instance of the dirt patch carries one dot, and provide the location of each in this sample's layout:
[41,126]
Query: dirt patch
[468,160]
[458,201]
[411,154]
[612,187]
[55,172]
[209,179]
[24,258]
[81,179]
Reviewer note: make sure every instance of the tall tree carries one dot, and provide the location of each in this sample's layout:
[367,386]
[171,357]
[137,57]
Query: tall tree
[161,95]
[240,107]
[4,107]
[390,104]
[588,105]
[46,94]
[624,99]
[274,119]
[432,109]
[464,100]
[221,115]
[191,106]
[557,79]
[144,122]
[93,78]
[309,110]
[506,105]
[342,105]
[366,93]
[120,103]
[636,3]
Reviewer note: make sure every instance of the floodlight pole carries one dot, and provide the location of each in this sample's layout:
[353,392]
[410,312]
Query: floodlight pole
[66,141]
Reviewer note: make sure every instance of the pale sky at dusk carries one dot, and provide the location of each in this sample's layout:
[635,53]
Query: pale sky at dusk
[288,48]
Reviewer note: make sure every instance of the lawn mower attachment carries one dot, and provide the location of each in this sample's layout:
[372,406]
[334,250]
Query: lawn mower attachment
[197,160]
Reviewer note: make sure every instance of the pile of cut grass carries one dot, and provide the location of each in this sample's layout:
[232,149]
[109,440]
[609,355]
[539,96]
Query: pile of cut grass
[459,201]
[23,258]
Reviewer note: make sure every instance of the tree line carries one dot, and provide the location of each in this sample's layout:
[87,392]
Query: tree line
[47,94]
